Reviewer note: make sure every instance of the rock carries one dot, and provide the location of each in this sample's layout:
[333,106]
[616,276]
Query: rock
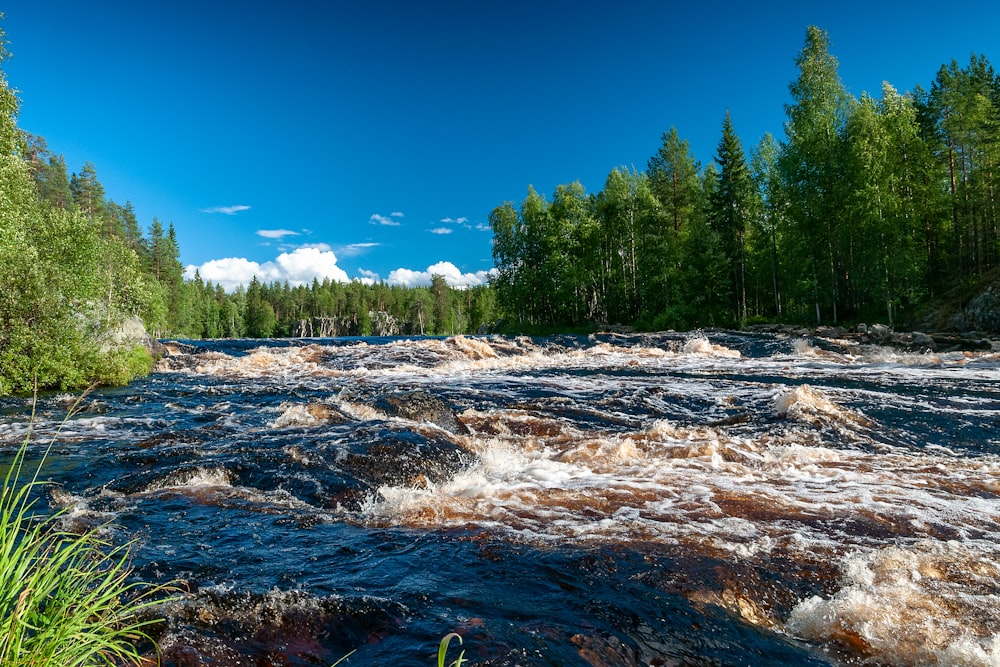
[880,333]
[130,333]
[421,407]
[380,456]
[981,313]
[977,344]
[307,415]
[922,341]
[830,332]
[950,343]
[862,328]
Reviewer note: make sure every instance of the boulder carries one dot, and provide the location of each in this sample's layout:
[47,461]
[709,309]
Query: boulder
[923,341]
[421,406]
[981,313]
[130,333]
[950,343]
[380,456]
[880,333]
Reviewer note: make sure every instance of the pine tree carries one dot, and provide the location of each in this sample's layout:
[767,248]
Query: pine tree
[88,193]
[675,183]
[812,172]
[732,209]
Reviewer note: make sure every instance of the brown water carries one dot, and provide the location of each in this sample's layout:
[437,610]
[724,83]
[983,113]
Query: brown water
[694,499]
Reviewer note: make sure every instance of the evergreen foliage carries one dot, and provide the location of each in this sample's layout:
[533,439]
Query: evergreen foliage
[868,208]
[331,308]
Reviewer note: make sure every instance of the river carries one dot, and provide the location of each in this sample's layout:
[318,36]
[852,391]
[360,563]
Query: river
[674,499]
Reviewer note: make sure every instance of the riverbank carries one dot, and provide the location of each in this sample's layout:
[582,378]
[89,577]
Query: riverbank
[879,334]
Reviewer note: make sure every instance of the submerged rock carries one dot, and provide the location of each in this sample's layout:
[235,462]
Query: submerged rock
[216,626]
[380,456]
[307,415]
[421,406]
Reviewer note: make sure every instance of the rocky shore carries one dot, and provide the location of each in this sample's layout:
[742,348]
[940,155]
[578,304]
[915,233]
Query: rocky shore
[880,334]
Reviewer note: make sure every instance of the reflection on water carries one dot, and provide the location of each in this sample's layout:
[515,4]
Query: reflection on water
[607,500]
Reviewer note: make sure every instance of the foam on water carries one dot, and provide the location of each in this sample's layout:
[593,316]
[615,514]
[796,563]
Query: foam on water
[196,478]
[687,443]
[701,345]
[303,415]
[754,496]
[803,403]
[931,603]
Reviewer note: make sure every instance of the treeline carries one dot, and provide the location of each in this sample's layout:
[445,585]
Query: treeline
[173,306]
[867,209]
[330,308]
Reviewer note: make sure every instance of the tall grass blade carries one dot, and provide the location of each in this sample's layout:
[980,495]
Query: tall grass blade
[65,599]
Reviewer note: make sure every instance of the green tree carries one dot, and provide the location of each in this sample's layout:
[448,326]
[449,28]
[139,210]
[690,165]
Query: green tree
[482,308]
[259,319]
[621,214]
[509,260]
[88,193]
[572,243]
[732,209]
[812,171]
[704,282]
[441,312]
[676,184]
[764,241]
[963,115]
[885,160]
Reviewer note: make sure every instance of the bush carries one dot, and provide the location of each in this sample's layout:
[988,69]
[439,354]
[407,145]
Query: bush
[121,366]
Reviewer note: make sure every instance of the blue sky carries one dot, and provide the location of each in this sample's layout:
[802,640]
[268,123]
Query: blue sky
[372,139]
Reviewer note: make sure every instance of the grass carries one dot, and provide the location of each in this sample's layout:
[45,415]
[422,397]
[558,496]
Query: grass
[443,651]
[66,599]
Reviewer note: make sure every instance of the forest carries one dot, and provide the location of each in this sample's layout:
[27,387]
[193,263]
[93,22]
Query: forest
[191,308]
[75,265]
[868,209]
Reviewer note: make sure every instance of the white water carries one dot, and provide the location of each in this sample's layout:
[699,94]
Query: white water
[858,458]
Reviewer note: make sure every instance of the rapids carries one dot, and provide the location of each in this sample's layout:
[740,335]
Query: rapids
[671,499]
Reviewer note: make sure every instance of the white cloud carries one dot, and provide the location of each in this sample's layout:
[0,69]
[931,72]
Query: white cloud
[451,274]
[226,210]
[354,249]
[447,220]
[228,272]
[396,214]
[367,277]
[386,220]
[298,267]
[440,230]
[276,233]
[483,227]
